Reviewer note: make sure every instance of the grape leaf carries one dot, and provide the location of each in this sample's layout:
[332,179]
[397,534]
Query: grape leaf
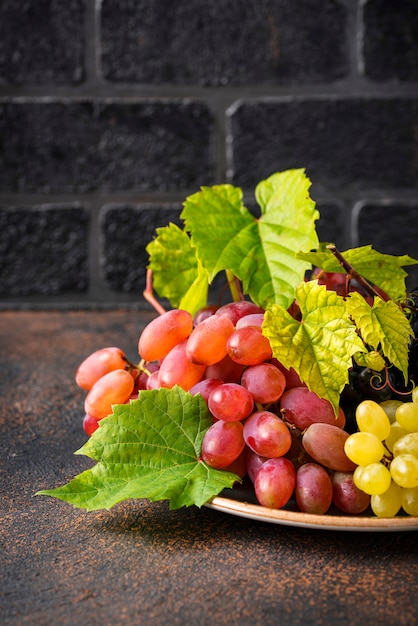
[149,448]
[383,270]
[383,325]
[177,273]
[260,252]
[321,345]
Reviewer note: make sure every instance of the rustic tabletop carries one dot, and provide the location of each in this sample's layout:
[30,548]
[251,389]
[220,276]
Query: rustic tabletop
[141,563]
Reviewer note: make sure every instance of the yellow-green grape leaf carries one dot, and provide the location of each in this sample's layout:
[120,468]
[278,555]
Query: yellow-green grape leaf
[383,325]
[260,252]
[373,360]
[149,448]
[177,273]
[383,270]
[320,346]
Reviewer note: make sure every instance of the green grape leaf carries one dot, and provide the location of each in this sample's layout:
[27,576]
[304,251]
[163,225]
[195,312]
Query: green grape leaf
[260,252]
[321,345]
[373,360]
[149,448]
[383,270]
[383,325]
[177,273]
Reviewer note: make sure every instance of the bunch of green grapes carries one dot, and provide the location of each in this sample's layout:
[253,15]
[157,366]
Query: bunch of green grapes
[385,450]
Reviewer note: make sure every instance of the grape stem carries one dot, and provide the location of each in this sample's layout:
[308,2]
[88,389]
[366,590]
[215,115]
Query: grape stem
[352,273]
[148,294]
[233,286]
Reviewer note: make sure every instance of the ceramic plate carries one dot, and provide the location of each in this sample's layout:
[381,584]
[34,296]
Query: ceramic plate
[238,502]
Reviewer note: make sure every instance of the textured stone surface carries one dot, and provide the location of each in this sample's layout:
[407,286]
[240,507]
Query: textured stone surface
[125,232]
[218,42]
[357,141]
[390,41]
[392,228]
[141,564]
[43,250]
[42,41]
[88,145]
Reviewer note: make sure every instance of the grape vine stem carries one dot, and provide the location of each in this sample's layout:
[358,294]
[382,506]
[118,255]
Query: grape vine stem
[352,273]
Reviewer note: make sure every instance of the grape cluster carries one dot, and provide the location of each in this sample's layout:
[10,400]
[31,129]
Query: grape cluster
[267,425]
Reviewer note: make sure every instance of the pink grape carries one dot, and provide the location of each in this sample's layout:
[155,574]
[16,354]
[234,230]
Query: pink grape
[222,444]
[113,388]
[254,462]
[252,319]
[265,382]
[163,333]
[177,369]
[236,310]
[313,489]
[275,482]
[325,444]
[203,313]
[207,343]
[227,370]
[239,466]
[267,435]
[230,402]
[90,424]
[98,364]
[153,381]
[346,496]
[302,407]
[205,387]
[248,346]
[291,376]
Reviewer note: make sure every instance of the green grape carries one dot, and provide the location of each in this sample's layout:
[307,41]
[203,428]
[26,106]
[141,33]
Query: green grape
[389,407]
[408,444]
[415,395]
[407,416]
[371,418]
[387,504]
[404,470]
[374,479]
[364,448]
[396,432]
[410,500]
[357,475]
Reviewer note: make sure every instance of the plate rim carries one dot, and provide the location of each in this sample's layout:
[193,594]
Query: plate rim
[309,520]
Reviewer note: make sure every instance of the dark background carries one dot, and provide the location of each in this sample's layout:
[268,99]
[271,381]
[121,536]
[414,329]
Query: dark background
[112,112]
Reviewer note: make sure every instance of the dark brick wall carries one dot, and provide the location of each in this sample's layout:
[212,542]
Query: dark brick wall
[113,111]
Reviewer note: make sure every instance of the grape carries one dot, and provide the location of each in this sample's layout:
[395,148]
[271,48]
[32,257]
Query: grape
[113,388]
[236,310]
[404,470]
[163,333]
[387,504]
[407,416]
[248,346]
[267,435]
[239,466]
[325,444]
[364,448]
[373,479]
[371,418]
[142,376]
[291,376]
[222,444]
[98,364]
[205,387]
[177,369]
[90,424]
[227,370]
[275,482]
[265,382]
[254,462]
[302,407]
[230,402]
[389,407]
[415,395]
[396,432]
[410,500]
[203,313]
[153,381]
[207,343]
[408,444]
[313,489]
[252,319]
[346,496]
